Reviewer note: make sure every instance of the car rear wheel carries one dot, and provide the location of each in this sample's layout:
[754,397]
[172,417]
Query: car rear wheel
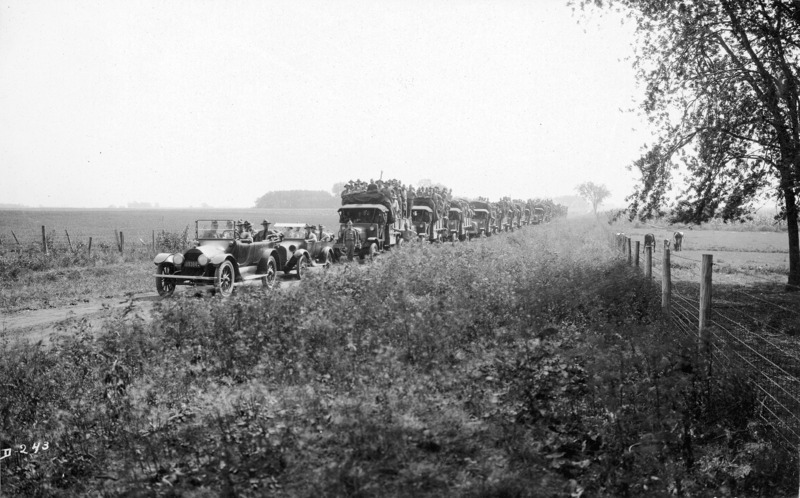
[268,280]
[224,279]
[165,286]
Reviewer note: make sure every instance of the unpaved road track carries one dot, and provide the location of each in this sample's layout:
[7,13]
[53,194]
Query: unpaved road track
[36,325]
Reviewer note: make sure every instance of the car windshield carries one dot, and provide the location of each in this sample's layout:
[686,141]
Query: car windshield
[420,215]
[215,229]
[292,231]
[481,215]
[365,215]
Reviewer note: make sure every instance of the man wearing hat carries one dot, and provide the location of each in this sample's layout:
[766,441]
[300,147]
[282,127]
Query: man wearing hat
[351,240]
[310,235]
[244,231]
[262,234]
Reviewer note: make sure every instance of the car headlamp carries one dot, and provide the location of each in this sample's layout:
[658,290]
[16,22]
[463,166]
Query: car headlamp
[372,228]
[202,260]
[178,259]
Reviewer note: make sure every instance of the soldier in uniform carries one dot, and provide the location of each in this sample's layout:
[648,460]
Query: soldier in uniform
[262,234]
[351,240]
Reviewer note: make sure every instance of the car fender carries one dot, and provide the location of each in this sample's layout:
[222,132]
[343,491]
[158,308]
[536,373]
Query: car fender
[295,258]
[163,257]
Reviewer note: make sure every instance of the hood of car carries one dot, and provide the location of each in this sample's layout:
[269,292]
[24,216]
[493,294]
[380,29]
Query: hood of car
[209,248]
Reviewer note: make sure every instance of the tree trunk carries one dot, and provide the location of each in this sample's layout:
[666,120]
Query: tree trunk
[794,240]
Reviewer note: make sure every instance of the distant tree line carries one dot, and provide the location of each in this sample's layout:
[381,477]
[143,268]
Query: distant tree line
[290,199]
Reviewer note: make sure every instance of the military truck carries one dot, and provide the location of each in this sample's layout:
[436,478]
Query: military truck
[459,220]
[376,218]
[538,214]
[482,219]
[427,220]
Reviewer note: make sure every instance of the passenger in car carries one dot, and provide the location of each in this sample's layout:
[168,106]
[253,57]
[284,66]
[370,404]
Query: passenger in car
[263,233]
[244,231]
[310,235]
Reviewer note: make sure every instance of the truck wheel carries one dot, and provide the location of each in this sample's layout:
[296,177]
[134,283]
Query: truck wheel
[165,286]
[224,279]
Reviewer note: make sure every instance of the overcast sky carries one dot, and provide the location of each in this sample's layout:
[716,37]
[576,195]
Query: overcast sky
[188,102]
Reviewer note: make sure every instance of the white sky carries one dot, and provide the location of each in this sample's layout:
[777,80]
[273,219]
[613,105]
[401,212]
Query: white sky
[185,102]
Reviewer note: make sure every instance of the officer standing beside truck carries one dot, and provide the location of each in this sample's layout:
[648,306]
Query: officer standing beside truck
[351,240]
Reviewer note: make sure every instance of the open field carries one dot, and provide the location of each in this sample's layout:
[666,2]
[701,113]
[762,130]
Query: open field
[528,364]
[740,257]
[137,224]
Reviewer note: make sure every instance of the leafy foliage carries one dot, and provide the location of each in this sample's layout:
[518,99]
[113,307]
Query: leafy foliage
[528,364]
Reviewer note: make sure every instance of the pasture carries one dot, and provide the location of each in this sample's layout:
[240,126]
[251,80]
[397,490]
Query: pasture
[740,257]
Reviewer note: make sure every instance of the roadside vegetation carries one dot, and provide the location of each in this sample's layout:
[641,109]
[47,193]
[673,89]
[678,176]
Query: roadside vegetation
[530,364]
[70,274]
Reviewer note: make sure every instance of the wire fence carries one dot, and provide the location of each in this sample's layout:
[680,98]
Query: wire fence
[750,327]
[124,238]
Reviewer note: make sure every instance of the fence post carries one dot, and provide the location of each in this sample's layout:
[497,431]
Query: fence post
[68,241]
[636,258]
[44,240]
[89,251]
[705,298]
[154,241]
[116,237]
[666,285]
[628,249]
[121,242]
[648,262]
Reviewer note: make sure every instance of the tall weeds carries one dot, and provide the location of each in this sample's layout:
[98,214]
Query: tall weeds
[532,363]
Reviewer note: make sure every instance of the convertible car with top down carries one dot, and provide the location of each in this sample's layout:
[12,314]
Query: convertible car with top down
[220,258]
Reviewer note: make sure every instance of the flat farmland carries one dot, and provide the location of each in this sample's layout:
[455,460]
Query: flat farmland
[739,257]
[136,224]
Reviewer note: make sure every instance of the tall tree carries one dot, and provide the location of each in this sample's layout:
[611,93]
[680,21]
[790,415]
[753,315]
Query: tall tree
[593,194]
[721,79]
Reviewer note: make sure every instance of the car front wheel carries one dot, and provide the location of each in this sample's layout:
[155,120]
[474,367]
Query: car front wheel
[268,280]
[301,266]
[165,286]
[224,279]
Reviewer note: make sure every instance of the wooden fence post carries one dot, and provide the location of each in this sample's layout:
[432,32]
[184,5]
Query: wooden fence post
[705,298]
[648,262]
[666,285]
[628,249]
[154,241]
[68,241]
[116,237]
[89,251]
[44,240]
[121,242]
[636,258]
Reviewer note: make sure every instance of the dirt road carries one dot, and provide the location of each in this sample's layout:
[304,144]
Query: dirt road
[36,325]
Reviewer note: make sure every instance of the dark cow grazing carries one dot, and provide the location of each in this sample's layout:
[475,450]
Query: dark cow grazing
[678,238]
[649,241]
